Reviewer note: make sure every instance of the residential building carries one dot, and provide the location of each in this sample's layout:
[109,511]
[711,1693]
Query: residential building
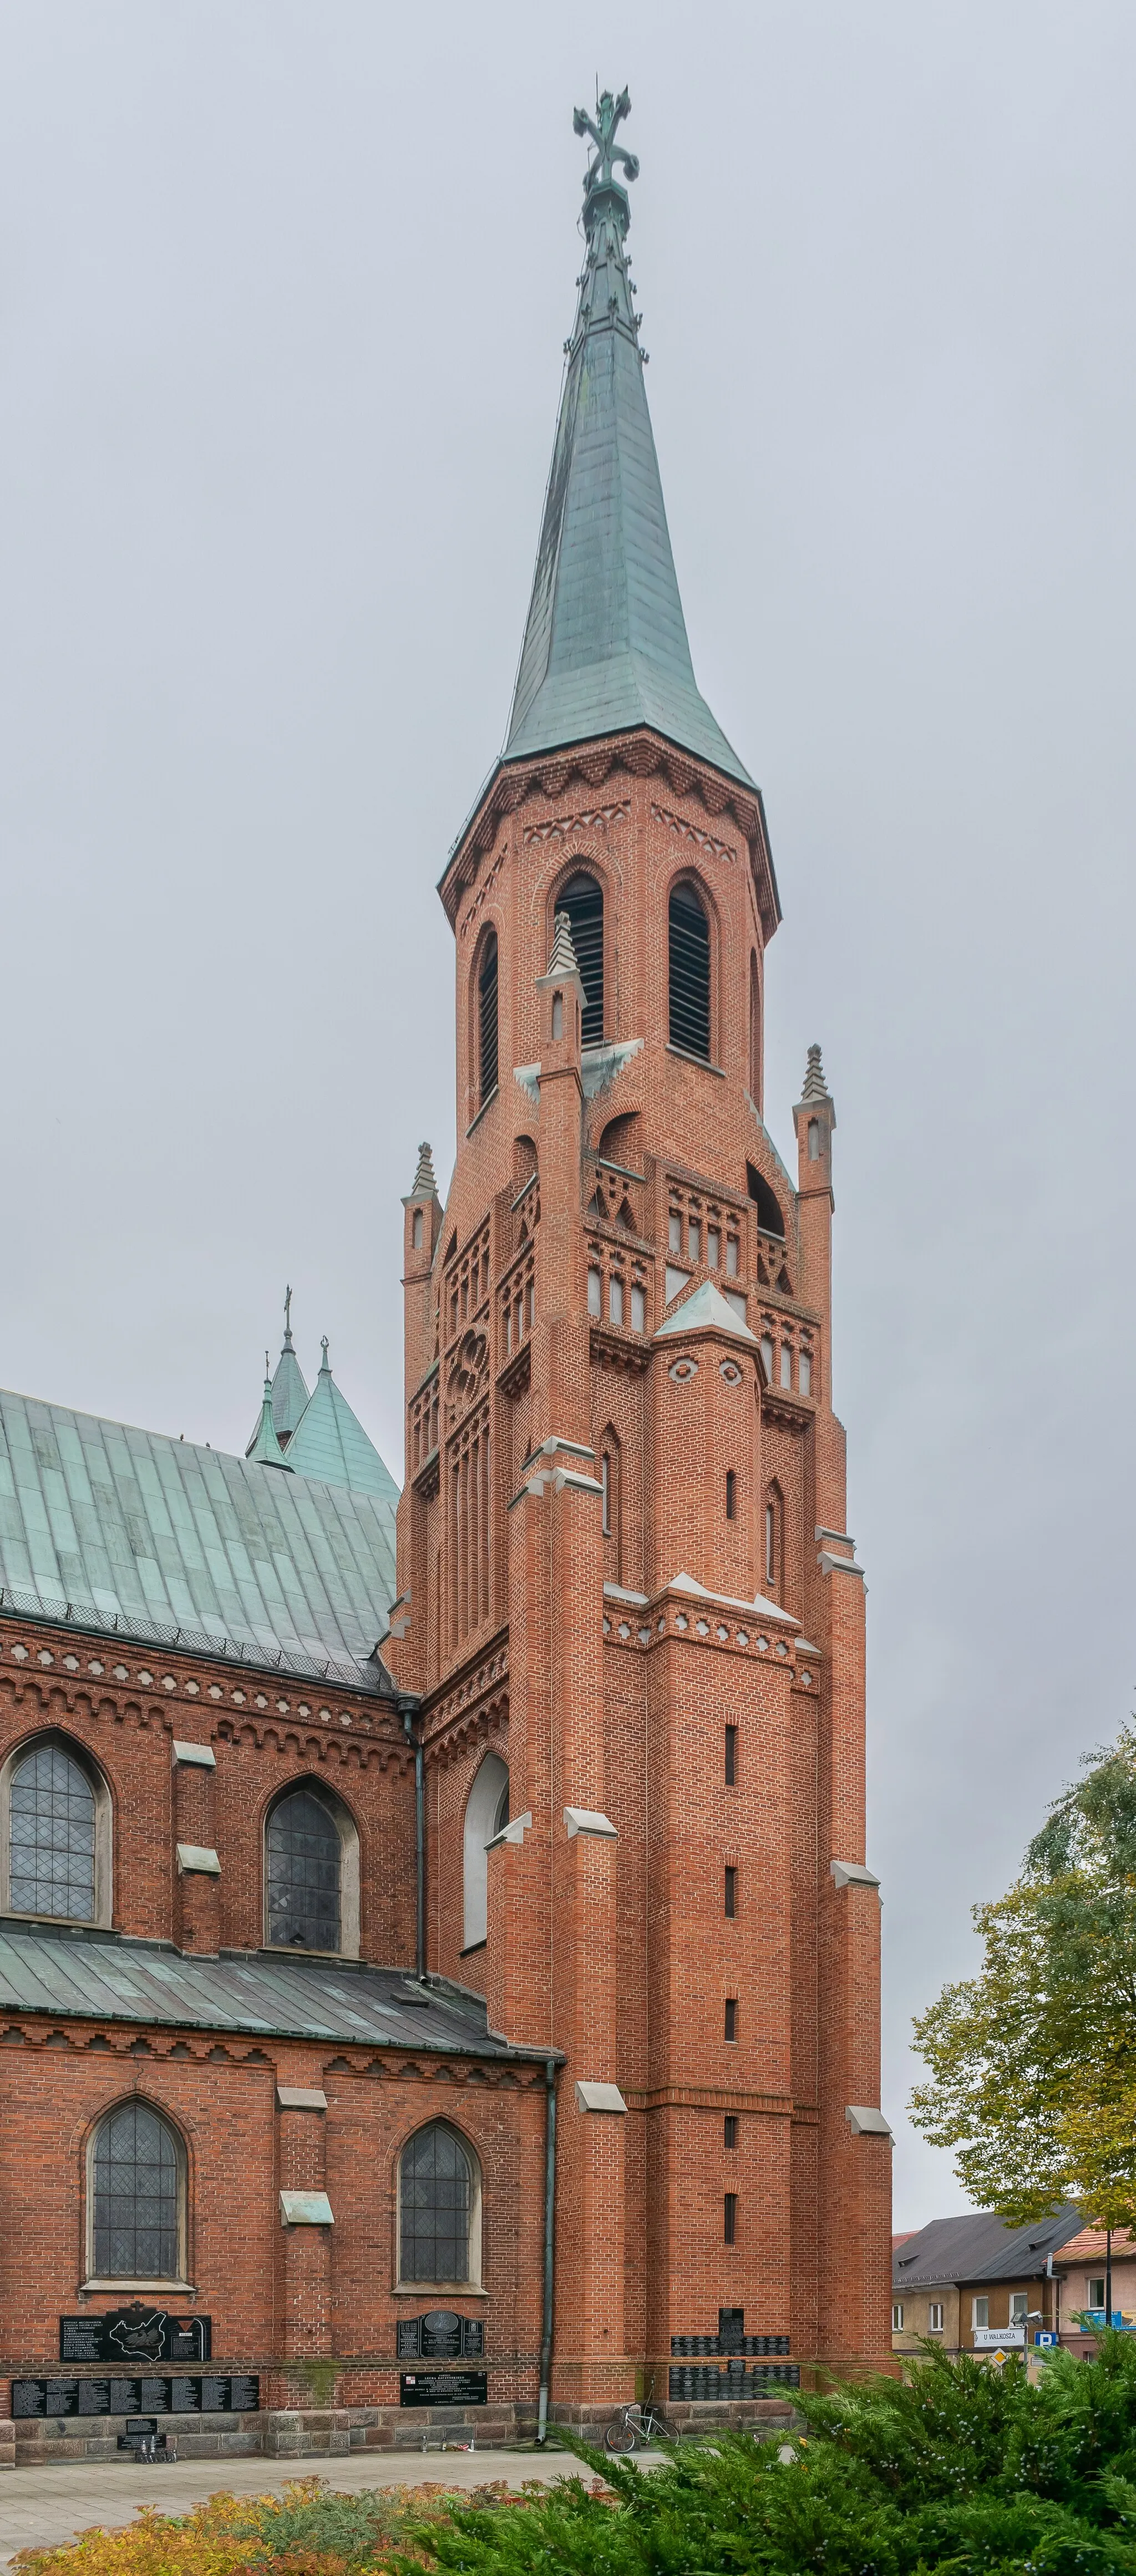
[972,2284]
[1080,2273]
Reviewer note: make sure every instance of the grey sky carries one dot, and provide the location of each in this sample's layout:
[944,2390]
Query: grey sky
[282,296]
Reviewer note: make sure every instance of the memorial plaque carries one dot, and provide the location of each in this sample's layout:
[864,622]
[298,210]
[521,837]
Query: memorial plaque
[62,2397]
[244,2393]
[407,2344]
[155,2396]
[185,2396]
[125,2396]
[142,2425]
[443,2388]
[29,2397]
[81,2339]
[441,2335]
[473,2337]
[214,2396]
[731,2329]
[94,2397]
[188,2339]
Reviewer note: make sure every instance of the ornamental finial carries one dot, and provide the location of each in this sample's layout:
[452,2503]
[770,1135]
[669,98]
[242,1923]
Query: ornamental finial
[610,113]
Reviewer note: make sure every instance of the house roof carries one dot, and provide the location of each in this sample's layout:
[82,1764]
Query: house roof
[1089,2246]
[108,1977]
[605,645]
[978,2247]
[131,1532]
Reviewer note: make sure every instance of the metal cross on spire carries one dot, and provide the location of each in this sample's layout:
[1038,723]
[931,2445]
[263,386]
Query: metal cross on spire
[610,113]
[287,1319]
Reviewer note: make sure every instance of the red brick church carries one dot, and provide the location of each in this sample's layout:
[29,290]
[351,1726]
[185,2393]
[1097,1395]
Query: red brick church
[438,1966]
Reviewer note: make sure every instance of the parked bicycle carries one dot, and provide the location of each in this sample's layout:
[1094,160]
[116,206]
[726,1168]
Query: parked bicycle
[637,2425]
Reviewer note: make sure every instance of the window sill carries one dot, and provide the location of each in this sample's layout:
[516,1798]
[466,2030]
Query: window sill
[472,1946]
[685,1057]
[430,2290]
[486,1104]
[188,2287]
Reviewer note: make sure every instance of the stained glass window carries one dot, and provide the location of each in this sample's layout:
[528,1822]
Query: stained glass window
[136,2187]
[435,2206]
[304,1857]
[52,1849]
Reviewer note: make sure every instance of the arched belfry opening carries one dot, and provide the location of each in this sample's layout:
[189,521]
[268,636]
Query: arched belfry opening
[688,943]
[582,900]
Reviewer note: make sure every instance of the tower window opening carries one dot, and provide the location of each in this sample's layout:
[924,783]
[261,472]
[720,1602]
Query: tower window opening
[712,1241]
[689,959]
[731,1893]
[769,1216]
[606,1481]
[615,1298]
[786,1364]
[674,1231]
[487,1020]
[814,1140]
[638,1309]
[582,900]
[767,1357]
[416,1230]
[731,1757]
[732,2017]
[595,1292]
[731,1493]
[805,1373]
[730,2129]
[754,1034]
[558,1015]
[732,1255]
[771,1543]
[694,1244]
[730,2218]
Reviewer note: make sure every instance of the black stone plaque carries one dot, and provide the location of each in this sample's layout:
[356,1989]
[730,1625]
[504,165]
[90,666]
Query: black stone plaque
[244,2393]
[155,2396]
[185,2396]
[125,2396]
[214,2396]
[29,2397]
[473,2337]
[443,2388]
[731,2329]
[94,2397]
[81,2339]
[62,2396]
[407,2338]
[137,2333]
[142,2425]
[441,2335]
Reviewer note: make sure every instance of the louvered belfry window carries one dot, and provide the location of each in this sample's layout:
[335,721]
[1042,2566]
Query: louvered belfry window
[487,1021]
[137,2186]
[689,973]
[304,1859]
[583,902]
[52,1850]
[435,2206]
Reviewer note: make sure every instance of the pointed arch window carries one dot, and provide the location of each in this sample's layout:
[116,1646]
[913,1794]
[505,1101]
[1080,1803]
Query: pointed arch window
[311,1873]
[487,999]
[136,2197]
[754,1033]
[486,1814]
[439,2209]
[55,1821]
[774,1541]
[582,900]
[689,961]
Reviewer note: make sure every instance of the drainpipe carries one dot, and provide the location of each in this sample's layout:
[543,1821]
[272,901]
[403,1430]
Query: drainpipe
[549,2216]
[409,1708]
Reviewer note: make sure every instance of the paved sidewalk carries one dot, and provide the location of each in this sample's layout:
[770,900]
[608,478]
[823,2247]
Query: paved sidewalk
[41,2507]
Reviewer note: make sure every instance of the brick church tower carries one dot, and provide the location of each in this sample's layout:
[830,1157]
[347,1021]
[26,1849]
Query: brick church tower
[628,1604]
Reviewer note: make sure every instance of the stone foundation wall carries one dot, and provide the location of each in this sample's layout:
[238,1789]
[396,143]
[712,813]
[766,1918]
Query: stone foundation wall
[334,2432]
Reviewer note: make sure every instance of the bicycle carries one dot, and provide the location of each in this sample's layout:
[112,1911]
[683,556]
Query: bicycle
[637,2424]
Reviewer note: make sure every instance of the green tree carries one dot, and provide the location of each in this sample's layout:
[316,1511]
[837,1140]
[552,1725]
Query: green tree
[1033,2062]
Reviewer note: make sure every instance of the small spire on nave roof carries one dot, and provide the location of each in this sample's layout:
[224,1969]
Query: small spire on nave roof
[816,1088]
[424,1185]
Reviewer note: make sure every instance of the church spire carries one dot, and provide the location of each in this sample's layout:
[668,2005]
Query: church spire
[605,645]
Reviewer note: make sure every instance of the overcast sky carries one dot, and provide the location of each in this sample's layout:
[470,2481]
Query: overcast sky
[283,292]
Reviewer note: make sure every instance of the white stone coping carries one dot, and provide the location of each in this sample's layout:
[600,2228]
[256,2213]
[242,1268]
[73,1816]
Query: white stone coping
[301,2097]
[865,2122]
[513,1832]
[763,1608]
[194,1860]
[305,2209]
[852,1873]
[588,1820]
[202,1755]
[599,2097]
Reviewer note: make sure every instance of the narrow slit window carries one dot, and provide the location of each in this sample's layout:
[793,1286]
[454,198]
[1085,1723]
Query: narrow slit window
[582,900]
[595,1292]
[694,1243]
[674,1231]
[689,959]
[558,1015]
[731,1493]
[786,1364]
[615,1299]
[606,1479]
[730,2217]
[712,1242]
[731,2017]
[805,1373]
[731,1892]
[416,1230]
[730,2129]
[767,1357]
[732,1256]
[814,1140]
[638,1310]
[487,1021]
[770,1543]
[731,1757]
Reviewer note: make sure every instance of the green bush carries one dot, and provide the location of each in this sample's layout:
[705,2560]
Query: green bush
[960,2467]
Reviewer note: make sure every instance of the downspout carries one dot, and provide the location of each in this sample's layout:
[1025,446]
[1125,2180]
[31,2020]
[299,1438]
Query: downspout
[409,1709]
[549,2242]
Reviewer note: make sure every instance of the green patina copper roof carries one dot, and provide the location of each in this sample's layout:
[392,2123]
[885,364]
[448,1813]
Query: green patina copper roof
[264,1444]
[106,1527]
[289,1386]
[329,1441]
[605,646]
